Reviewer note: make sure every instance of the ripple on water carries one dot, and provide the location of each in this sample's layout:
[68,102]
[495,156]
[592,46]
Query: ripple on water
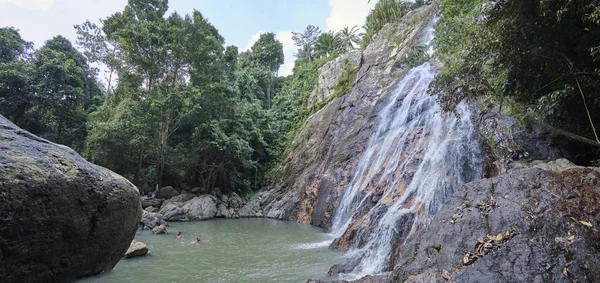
[240,250]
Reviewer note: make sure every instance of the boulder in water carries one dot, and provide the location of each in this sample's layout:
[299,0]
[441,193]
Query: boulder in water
[199,208]
[160,229]
[222,211]
[167,192]
[136,249]
[252,208]
[61,217]
[151,219]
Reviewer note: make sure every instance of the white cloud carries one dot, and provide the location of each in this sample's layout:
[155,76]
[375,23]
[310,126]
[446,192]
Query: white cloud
[253,40]
[43,5]
[288,49]
[288,52]
[348,13]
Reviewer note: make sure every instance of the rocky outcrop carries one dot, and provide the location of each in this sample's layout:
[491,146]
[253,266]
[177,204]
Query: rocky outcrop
[329,75]
[161,229]
[136,249]
[234,201]
[61,217]
[150,220]
[326,151]
[152,202]
[528,225]
[199,208]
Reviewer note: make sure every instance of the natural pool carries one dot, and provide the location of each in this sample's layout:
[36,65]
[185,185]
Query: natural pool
[237,250]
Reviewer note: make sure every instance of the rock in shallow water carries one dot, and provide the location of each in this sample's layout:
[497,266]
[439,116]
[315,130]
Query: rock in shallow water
[151,219]
[136,249]
[160,229]
[199,208]
[61,217]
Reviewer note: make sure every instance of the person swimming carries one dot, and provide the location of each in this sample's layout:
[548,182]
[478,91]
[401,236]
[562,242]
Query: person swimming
[179,236]
[197,240]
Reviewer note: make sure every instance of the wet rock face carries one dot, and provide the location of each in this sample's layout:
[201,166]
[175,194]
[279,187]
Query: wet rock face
[528,225]
[327,150]
[61,217]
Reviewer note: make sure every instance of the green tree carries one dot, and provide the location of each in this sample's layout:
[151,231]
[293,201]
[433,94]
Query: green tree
[326,45]
[346,38]
[540,54]
[385,11]
[306,41]
[16,77]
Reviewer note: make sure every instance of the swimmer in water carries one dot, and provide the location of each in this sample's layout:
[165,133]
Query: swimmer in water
[197,240]
[179,236]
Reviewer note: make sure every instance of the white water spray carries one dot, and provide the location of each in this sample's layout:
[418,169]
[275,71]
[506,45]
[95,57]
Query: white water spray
[416,158]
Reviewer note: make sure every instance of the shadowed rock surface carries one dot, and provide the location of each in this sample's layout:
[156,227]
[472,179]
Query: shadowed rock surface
[61,217]
[555,216]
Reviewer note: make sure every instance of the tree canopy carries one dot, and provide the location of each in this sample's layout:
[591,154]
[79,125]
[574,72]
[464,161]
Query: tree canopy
[543,55]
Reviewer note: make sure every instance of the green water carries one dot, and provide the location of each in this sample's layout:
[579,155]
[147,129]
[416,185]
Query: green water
[240,250]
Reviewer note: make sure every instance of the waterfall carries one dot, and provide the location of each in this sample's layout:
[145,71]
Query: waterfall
[415,159]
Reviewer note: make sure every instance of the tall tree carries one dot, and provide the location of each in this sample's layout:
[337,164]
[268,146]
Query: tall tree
[17,93]
[67,91]
[538,53]
[306,41]
[347,38]
[326,45]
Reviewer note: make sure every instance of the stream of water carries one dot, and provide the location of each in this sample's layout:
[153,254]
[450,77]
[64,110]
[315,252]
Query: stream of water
[416,158]
[240,250]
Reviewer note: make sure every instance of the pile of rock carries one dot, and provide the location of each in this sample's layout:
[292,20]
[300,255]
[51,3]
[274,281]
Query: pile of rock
[198,204]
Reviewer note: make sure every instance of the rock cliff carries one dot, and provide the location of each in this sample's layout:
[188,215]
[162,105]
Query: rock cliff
[61,217]
[538,224]
[326,151]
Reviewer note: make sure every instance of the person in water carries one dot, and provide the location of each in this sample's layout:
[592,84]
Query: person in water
[179,236]
[197,240]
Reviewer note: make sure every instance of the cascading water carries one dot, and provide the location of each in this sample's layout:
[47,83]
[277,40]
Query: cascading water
[417,158]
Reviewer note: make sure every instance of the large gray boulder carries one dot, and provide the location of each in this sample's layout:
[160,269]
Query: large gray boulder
[160,229]
[528,225]
[156,202]
[180,198]
[61,217]
[136,249]
[222,211]
[150,220]
[199,208]
[234,201]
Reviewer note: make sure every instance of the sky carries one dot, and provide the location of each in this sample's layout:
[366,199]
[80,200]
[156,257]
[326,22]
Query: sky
[240,22]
